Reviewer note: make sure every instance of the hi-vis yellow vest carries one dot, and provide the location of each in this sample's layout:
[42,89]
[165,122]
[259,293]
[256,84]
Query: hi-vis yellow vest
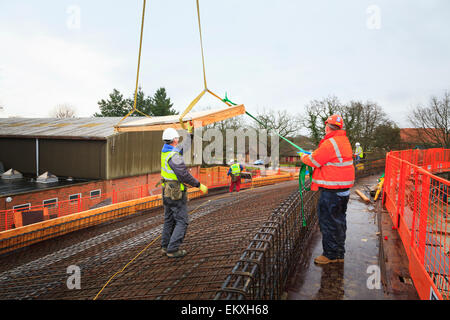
[359,151]
[166,171]
[236,169]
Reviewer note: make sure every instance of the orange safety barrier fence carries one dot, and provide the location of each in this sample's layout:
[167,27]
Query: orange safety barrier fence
[417,200]
[214,177]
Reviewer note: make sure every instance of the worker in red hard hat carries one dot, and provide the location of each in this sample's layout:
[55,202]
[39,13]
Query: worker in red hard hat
[333,175]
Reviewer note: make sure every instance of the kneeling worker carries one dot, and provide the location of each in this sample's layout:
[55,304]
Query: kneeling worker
[334,175]
[174,176]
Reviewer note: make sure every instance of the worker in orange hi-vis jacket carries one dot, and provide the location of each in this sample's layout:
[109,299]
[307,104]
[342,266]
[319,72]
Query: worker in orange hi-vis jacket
[333,175]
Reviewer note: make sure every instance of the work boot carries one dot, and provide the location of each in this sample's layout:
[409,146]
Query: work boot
[177,254]
[324,260]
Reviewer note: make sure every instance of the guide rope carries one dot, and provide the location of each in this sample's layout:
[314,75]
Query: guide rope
[146,247]
[137,73]
[303,169]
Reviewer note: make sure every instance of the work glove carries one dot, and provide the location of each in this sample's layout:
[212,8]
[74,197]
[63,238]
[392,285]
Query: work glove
[301,154]
[190,127]
[203,188]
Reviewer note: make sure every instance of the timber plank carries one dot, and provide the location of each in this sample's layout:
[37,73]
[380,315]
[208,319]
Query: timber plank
[202,117]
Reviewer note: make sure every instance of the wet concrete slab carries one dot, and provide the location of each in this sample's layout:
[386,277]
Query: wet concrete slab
[359,277]
[395,272]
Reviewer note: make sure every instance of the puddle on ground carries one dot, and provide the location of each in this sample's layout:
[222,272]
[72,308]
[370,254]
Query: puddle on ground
[355,278]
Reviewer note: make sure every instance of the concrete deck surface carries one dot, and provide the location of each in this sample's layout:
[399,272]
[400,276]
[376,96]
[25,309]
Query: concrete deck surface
[356,278]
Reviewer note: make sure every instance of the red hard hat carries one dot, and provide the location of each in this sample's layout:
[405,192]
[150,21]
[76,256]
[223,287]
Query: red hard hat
[336,120]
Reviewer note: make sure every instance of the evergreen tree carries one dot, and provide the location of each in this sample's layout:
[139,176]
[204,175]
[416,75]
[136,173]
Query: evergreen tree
[143,103]
[115,106]
[161,104]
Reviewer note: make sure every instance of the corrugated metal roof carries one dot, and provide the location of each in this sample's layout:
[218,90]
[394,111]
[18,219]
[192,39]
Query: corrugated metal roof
[70,128]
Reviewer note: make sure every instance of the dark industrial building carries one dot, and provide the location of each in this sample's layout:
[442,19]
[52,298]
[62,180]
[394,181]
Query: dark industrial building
[83,148]
[75,164]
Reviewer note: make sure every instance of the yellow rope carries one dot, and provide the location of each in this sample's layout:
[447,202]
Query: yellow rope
[154,240]
[191,105]
[126,266]
[138,69]
[194,102]
[215,95]
[201,44]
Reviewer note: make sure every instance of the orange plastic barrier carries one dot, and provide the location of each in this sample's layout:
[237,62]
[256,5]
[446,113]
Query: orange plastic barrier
[214,177]
[35,231]
[417,201]
[38,225]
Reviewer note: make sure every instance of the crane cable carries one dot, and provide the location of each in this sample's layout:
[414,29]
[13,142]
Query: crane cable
[191,105]
[194,102]
[201,44]
[138,69]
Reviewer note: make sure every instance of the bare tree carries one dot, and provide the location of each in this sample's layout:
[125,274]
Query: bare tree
[234,123]
[281,121]
[433,121]
[62,111]
[317,112]
[286,124]
[361,120]
[231,123]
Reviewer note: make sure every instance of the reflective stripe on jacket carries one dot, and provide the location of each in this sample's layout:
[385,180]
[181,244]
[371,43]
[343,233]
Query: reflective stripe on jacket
[166,171]
[332,162]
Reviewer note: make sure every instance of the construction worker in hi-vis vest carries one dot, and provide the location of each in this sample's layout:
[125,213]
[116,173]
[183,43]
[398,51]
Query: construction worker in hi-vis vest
[359,154]
[175,176]
[334,175]
[235,173]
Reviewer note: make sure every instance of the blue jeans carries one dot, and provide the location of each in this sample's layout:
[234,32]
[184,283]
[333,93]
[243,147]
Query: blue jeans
[332,223]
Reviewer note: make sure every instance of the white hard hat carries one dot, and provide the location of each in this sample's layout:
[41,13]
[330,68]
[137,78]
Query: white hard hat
[357,144]
[169,134]
[231,161]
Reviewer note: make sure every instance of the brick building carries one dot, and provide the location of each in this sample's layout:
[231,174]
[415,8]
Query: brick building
[288,153]
[420,138]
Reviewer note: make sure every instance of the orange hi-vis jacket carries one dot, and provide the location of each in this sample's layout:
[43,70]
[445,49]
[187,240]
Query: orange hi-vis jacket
[332,162]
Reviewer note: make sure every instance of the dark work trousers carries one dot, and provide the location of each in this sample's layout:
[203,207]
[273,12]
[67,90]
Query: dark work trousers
[176,220]
[332,223]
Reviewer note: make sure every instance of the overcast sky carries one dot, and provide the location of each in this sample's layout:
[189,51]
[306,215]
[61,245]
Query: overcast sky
[265,54]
